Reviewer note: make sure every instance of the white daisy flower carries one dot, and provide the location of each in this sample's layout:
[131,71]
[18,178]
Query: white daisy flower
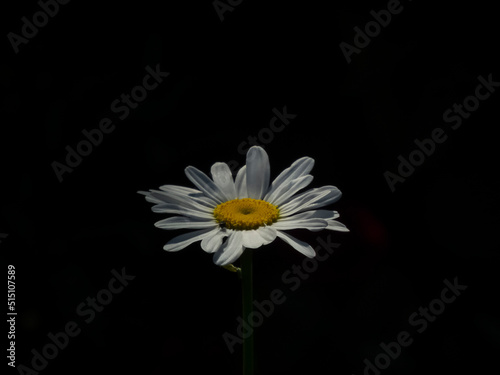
[247,212]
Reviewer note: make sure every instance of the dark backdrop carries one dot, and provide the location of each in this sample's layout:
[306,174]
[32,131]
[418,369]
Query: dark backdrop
[225,78]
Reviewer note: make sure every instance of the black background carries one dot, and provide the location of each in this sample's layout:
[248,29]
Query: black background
[64,238]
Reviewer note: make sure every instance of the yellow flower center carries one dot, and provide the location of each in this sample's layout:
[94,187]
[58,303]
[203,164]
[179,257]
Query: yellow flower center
[246,213]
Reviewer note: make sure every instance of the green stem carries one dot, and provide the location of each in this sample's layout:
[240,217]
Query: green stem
[247,295]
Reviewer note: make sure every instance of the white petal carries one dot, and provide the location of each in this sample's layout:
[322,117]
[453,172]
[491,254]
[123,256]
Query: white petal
[230,250]
[170,208]
[252,239]
[223,178]
[287,190]
[181,222]
[148,196]
[213,243]
[299,168]
[255,238]
[267,233]
[300,246]
[311,224]
[195,203]
[241,183]
[258,172]
[302,202]
[205,184]
[311,199]
[192,194]
[335,225]
[320,214]
[186,239]
[180,190]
